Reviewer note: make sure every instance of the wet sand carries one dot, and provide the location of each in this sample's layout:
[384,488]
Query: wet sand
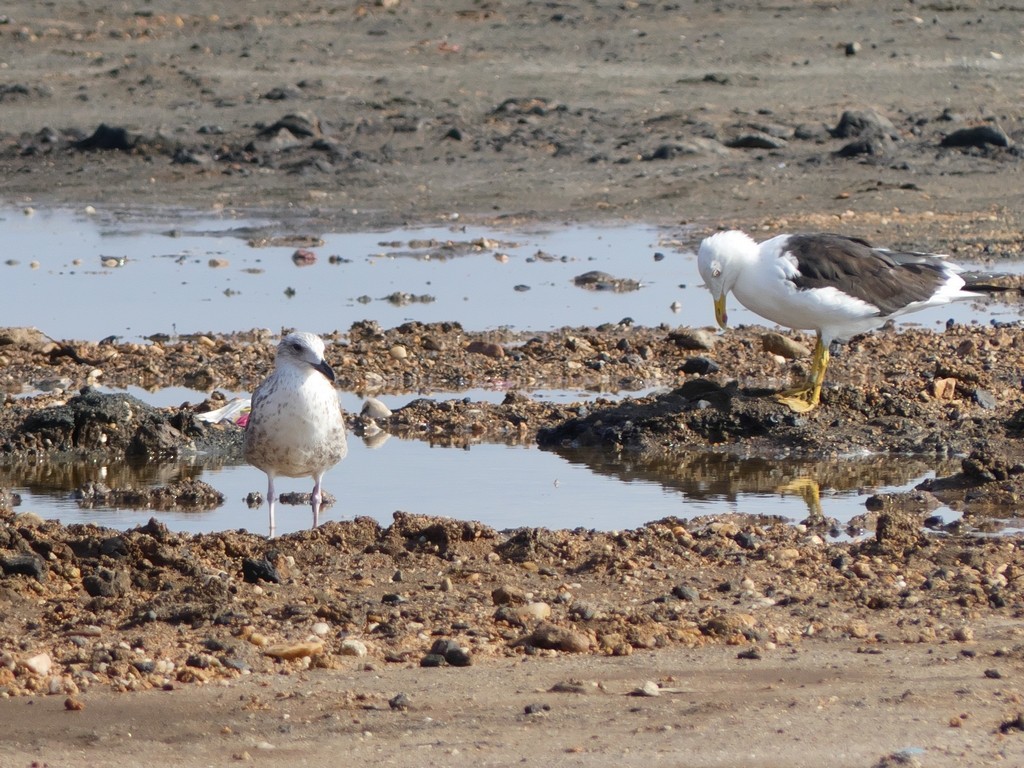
[771,645]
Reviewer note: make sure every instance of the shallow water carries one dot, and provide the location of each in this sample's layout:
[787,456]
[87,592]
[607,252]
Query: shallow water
[159,278]
[83,276]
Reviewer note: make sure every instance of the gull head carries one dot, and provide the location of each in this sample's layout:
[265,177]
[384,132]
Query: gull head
[720,259]
[302,349]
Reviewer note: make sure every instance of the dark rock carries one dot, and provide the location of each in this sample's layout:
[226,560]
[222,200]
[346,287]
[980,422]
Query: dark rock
[105,582]
[686,592]
[107,137]
[254,570]
[854,123]
[23,565]
[399,702]
[977,136]
[699,365]
[756,140]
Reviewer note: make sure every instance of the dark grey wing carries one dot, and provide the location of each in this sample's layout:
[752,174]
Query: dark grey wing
[888,280]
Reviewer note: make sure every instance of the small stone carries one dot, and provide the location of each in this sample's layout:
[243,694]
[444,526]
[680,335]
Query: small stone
[40,664]
[399,702]
[686,592]
[506,595]
[375,409]
[692,338]
[557,638]
[963,634]
[858,628]
[783,346]
[352,647]
[485,348]
[534,611]
[254,570]
[287,651]
[320,628]
[71,704]
[398,352]
[649,689]
[944,389]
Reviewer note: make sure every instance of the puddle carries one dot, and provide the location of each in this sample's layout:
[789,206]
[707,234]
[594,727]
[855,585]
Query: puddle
[498,485]
[88,277]
[91,277]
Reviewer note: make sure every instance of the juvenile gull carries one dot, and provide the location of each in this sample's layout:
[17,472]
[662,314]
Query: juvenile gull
[296,427]
[833,285]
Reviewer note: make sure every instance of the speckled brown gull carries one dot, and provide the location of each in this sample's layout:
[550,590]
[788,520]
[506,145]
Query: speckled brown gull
[296,427]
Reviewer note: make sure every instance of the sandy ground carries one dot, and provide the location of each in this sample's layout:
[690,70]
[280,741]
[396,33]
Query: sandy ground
[413,112]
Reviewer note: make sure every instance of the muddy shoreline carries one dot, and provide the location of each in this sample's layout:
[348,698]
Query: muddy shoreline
[899,125]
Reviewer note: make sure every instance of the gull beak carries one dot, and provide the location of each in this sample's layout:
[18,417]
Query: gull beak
[721,316]
[325,369]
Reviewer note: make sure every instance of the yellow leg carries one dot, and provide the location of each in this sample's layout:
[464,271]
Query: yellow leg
[806,397]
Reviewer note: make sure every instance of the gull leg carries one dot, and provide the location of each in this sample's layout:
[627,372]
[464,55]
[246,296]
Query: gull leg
[316,498]
[806,398]
[270,501]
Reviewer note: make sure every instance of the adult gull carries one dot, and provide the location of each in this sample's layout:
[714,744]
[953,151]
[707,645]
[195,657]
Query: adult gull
[833,285]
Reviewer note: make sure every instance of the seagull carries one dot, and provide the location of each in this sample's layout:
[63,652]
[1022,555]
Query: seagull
[296,427]
[833,285]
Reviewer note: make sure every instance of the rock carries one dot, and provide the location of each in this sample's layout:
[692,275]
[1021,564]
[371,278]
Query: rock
[534,612]
[700,366]
[107,137]
[728,624]
[105,582]
[485,348]
[553,637]
[254,570]
[375,409]
[783,346]
[855,123]
[24,565]
[649,689]
[320,628]
[352,647]
[756,140]
[692,338]
[686,592]
[288,651]
[977,136]
[595,280]
[898,530]
[71,704]
[399,702]
[39,665]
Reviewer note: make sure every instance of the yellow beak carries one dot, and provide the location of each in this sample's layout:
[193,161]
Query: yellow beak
[721,316]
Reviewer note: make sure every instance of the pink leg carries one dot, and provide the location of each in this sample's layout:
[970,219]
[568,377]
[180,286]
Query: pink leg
[270,501]
[316,499]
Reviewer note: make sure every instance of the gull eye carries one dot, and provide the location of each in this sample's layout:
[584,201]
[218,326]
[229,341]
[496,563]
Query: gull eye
[296,346]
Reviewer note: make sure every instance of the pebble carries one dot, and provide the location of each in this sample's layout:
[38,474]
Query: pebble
[352,647]
[535,611]
[398,352]
[400,702]
[783,346]
[375,409]
[649,689]
[287,651]
[553,637]
[40,664]
[320,628]
[692,338]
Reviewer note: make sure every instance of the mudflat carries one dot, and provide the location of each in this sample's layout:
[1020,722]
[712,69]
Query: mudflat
[712,642]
